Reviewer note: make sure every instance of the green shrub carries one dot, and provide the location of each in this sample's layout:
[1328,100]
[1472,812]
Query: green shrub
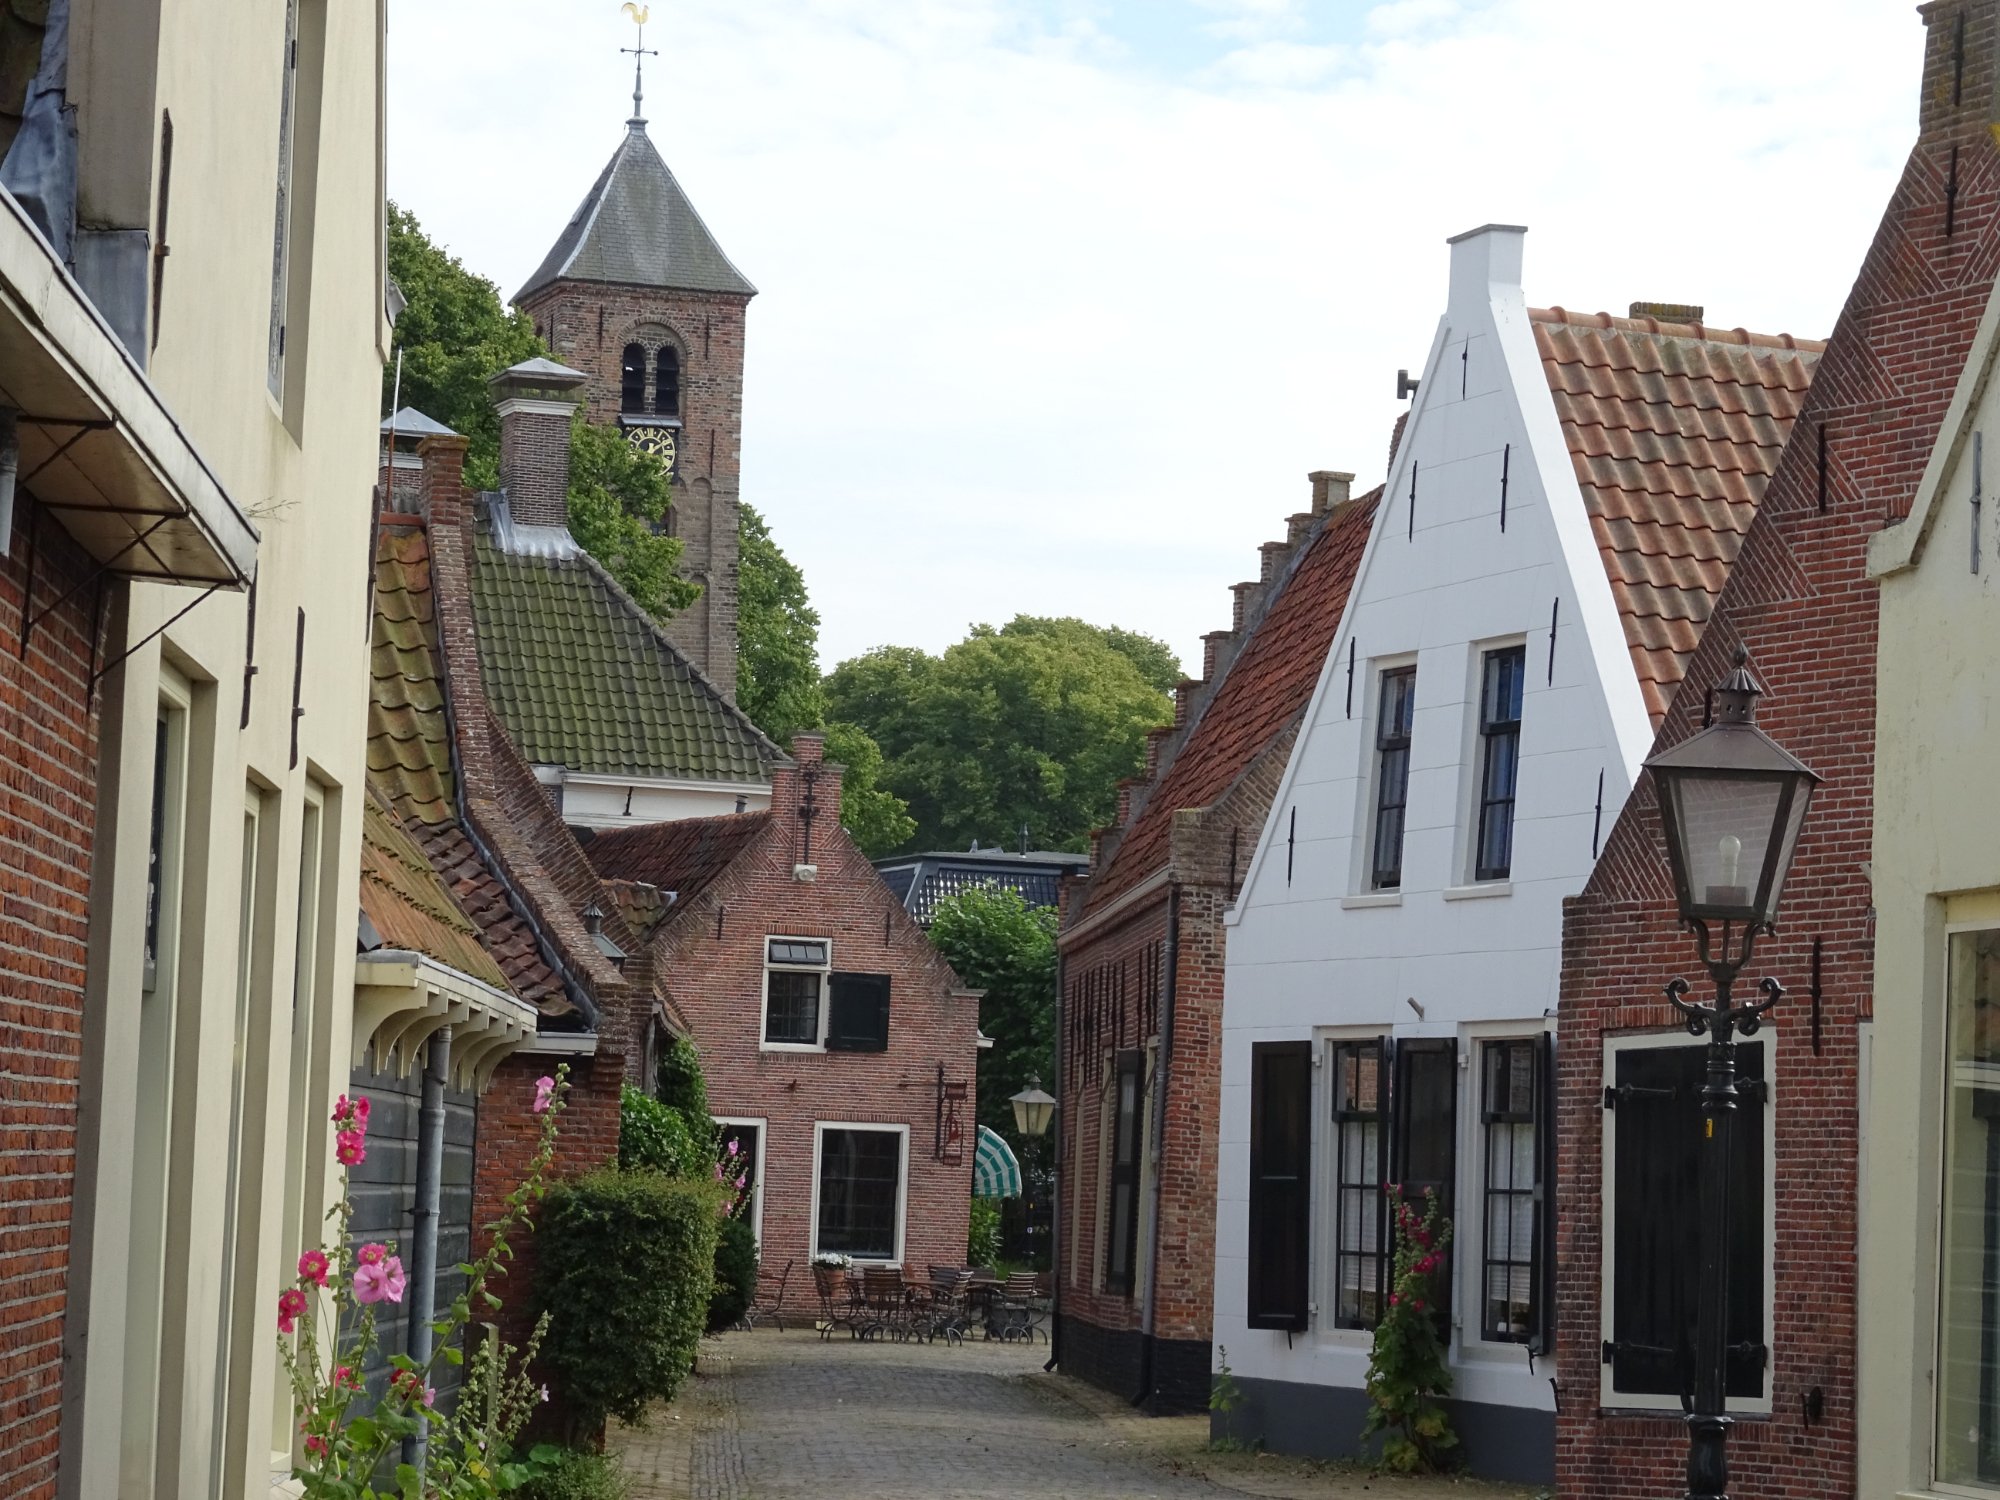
[679,1083]
[982,1241]
[573,1474]
[656,1137]
[624,1265]
[735,1274]
[1407,1370]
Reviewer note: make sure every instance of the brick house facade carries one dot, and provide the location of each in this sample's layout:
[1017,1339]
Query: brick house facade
[750,894]
[1799,601]
[1142,953]
[48,777]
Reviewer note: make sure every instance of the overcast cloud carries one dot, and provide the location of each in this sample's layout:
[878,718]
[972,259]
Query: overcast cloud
[1061,299]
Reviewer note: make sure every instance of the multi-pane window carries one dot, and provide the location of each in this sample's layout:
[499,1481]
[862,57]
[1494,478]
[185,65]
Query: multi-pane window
[1360,1270]
[281,237]
[632,379]
[1392,775]
[1507,1271]
[860,1192]
[667,388]
[1968,1343]
[1499,761]
[795,972]
[1121,1243]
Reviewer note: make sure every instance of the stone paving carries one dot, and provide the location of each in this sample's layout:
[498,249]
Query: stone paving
[783,1416]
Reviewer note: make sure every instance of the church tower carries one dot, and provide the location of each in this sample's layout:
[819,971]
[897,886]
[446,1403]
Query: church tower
[638,296]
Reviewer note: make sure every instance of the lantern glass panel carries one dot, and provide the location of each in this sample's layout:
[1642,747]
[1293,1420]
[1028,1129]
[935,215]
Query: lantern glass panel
[1727,826]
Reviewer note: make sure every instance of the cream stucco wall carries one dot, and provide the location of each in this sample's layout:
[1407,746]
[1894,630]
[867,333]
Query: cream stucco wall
[203,1423]
[1936,865]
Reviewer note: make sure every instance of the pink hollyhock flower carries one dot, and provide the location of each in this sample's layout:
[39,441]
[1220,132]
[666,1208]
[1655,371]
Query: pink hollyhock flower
[545,1088]
[312,1267]
[1394,1300]
[350,1148]
[340,1109]
[742,1182]
[430,1395]
[344,1376]
[1417,1303]
[382,1282]
[394,1279]
[316,1445]
[291,1304]
[371,1255]
[734,1145]
[360,1107]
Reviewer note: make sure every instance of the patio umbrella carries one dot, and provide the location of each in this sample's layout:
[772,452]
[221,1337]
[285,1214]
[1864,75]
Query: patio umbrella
[996,1173]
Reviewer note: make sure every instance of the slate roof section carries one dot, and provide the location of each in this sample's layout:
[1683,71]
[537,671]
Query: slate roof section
[1674,430]
[409,763]
[685,856]
[583,678]
[408,903]
[1263,693]
[636,227]
[920,881]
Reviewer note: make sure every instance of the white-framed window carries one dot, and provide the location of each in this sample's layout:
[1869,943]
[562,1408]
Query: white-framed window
[1513,1113]
[1389,774]
[796,970]
[1358,1088]
[1966,1451]
[1502,674]
[1653,1130]
[860,1189]
[750,1135]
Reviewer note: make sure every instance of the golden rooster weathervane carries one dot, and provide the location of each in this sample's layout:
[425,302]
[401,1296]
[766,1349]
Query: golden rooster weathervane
[640,14]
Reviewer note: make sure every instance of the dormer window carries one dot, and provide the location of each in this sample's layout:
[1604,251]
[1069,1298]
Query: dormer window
[667,389]
[632,385]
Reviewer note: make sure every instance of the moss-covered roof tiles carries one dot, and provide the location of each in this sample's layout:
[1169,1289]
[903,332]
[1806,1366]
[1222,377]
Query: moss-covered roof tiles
[408,904]
[584,679]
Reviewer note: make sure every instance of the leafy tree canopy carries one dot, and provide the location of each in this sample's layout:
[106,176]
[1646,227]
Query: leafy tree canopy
[1031,725]
[1155,659]
[618,497]
[998,943]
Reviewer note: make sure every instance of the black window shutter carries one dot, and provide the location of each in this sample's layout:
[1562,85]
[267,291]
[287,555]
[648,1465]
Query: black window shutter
[1544,1339]
[858,1017]
[1280,1178]
[1128,1108]
[1656,1218]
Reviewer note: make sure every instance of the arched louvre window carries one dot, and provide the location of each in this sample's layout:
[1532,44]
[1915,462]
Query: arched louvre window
[667,389]
[632,389]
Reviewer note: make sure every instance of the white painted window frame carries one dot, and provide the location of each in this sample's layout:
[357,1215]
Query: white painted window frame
[1472,768]
[820,1128]
[762,1126]
[1323,1222]
[1361,885]
[825,972]
[1469,1299]
[1610,1400]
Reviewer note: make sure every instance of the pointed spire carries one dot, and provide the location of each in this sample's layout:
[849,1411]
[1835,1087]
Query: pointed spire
[640,52]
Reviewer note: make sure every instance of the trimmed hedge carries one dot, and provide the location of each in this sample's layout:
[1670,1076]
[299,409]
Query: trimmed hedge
[625,1264]
[735,1274]
[657,1137]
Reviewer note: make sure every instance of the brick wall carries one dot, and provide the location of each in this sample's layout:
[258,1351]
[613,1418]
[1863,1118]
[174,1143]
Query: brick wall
[713,961]
[48,777]
[1800,602]
[588,325]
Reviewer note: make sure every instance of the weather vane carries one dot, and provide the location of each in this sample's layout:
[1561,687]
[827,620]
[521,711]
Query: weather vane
[639,14]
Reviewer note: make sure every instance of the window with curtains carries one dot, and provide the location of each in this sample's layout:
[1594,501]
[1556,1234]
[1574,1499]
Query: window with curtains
[1360,1134]
[1653,1134]
[1509,1089]
[1392,775]
[1499,760]
[632,380]
[860,1193]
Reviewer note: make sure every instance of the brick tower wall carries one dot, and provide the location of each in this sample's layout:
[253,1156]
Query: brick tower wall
[587,326]
[1800,601]
[48,794]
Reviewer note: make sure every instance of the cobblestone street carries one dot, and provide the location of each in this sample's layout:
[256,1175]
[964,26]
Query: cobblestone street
[782,1416]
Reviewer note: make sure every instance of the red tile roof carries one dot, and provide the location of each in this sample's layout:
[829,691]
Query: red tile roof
[1674,429]
[408,902]
[1262,693]
[685,856]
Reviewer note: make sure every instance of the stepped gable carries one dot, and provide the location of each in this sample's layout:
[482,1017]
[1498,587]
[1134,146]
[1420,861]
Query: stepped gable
[407,902]
[586,679]
[1257,688]
[636,227]
[1675,430]
[683,857]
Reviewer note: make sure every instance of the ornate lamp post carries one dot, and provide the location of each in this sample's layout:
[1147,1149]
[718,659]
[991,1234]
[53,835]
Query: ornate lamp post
[1731,805]
[1033,1109]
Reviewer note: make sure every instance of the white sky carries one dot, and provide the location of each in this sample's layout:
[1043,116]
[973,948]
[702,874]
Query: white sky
[1061,299]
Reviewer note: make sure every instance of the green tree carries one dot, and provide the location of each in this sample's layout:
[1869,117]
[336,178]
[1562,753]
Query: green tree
[1018,727]
[1155,659]
[877,818]
[996,942]
[618,498]
[455,335]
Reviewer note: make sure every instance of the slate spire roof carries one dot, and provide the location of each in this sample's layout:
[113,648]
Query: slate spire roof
[636,227]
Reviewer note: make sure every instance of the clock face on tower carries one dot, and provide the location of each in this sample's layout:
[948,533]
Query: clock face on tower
[649,438]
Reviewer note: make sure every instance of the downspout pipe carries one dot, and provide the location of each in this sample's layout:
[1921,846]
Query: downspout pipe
[424,1229]
[1056,1184]
[1149,1313]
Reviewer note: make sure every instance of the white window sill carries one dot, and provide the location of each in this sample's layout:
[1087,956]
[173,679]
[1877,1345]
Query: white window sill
[1372,898]
[1479,892]
[790,1047]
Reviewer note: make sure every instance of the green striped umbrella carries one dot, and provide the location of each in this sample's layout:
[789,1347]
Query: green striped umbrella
[996,1173]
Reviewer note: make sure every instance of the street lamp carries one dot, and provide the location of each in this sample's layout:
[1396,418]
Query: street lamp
[1731,805]
[1033,1109]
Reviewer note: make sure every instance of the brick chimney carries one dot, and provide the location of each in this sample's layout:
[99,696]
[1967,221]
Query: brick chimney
[809,785]
[401,473]
[536,400]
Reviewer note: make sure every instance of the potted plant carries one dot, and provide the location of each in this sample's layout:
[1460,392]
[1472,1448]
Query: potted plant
[830,1270]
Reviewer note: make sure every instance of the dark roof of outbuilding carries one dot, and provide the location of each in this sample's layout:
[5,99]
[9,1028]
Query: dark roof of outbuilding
[635,227]
[920,881]
[685,856]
